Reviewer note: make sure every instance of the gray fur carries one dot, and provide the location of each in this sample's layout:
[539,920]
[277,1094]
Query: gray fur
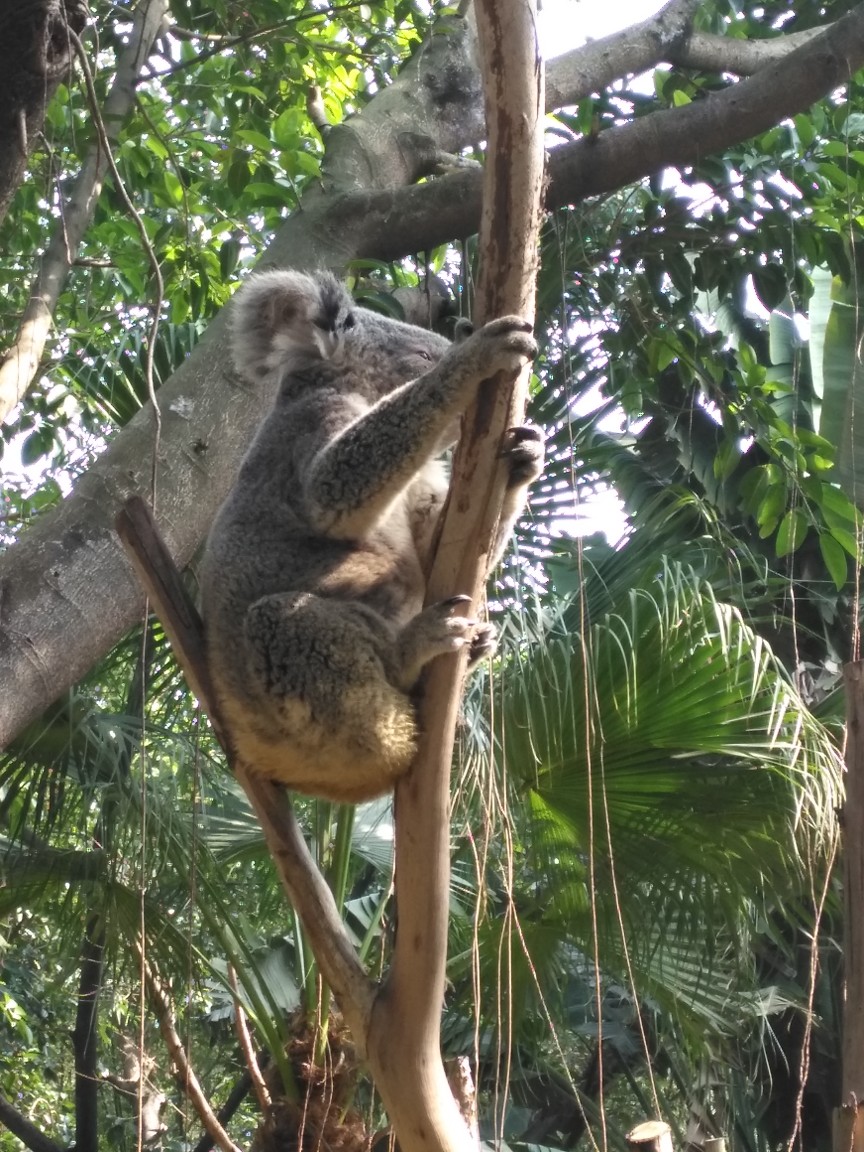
[313,577]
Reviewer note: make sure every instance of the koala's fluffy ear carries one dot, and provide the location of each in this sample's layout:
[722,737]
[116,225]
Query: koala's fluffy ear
[284,319]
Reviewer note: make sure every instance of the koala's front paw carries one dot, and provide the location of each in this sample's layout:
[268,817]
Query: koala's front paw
[505,345]
[525,452]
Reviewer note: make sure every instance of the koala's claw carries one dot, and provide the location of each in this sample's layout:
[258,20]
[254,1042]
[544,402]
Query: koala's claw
[524,449]
[453,602]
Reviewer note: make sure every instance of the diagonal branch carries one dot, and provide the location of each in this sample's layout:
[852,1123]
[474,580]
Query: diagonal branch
[710,53]
[21,360]
[303,882]
[594,65]
[26,1131]
[682,136]
[188,1081]
[665,38]
[246,1045]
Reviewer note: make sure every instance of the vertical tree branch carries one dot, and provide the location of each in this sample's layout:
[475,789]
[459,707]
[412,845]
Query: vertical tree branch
[406,1019]
[849,1117]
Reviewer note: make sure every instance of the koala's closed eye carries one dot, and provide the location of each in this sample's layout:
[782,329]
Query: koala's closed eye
[313,580]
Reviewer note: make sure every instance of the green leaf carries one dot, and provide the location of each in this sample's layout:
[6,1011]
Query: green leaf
[772,505]
[804,128]
[835,501]
[37,445]
[834,556]
[791,533]
[173,186]
[770,285]
[257,139]
[288,128]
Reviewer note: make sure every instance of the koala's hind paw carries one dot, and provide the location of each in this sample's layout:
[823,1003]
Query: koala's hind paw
[524,449]
[483,644]
[505,345]
[433,632]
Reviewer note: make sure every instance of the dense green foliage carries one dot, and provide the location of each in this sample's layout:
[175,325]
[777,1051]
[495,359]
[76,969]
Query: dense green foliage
[649,771]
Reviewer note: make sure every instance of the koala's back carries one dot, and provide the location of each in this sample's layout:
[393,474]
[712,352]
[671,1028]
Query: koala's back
[264,539]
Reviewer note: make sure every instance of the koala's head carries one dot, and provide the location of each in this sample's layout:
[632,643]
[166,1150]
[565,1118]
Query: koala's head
[288,322]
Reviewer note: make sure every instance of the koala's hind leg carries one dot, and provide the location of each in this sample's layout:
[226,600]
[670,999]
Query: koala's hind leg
[337,725]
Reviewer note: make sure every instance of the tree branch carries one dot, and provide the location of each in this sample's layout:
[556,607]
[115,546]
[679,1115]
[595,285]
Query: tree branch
[235,1098]
[709,53]
[20,362]
[594,65]
[85,1038]
[246,1046]
[67,593]
[666,38]
[27,1132]
[407,1016]
[681,136]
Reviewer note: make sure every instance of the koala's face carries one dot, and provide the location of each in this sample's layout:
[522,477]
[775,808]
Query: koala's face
[386,351]
[296,324]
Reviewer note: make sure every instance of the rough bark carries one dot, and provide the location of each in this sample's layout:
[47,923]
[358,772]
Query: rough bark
[67,593]
[35,56]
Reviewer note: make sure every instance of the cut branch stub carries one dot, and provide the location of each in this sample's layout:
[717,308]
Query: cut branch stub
[652,1136]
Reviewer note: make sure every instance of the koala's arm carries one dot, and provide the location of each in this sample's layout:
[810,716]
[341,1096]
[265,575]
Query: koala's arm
[356,475]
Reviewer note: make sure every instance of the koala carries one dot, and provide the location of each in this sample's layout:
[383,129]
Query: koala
[314,573]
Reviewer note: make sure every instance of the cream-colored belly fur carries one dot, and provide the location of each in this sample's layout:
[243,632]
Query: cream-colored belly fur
[360,758]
